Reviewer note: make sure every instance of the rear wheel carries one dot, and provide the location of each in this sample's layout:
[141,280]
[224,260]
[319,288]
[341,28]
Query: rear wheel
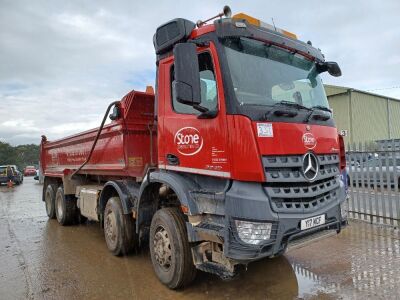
[66,210]
[170,249]
[49,200]
[119,229]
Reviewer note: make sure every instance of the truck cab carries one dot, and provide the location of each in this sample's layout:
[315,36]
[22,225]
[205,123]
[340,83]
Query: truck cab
[259,123]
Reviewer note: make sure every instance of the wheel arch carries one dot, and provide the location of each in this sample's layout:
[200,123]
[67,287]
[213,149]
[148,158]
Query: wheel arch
[50,180]
[124,189]
[179,184]
[149,194]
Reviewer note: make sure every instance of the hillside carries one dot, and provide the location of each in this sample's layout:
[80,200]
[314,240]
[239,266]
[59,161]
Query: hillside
[22,155]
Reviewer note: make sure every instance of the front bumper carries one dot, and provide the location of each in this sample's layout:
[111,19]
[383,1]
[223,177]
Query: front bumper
[249,201]
[285,226]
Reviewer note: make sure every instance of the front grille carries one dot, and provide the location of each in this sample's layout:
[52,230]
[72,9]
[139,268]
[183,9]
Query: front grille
[291,192]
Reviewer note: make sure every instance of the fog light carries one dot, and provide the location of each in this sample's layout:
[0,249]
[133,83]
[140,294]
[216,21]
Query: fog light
[253,232]
[344,208]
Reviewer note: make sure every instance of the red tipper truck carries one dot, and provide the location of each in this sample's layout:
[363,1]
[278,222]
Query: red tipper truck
[234,157]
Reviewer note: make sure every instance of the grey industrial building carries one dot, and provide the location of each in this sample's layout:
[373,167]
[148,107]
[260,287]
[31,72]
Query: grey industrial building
[364,116]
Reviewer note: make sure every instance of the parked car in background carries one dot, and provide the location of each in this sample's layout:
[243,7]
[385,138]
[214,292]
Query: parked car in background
[29,171]
[17,177]
[385,171]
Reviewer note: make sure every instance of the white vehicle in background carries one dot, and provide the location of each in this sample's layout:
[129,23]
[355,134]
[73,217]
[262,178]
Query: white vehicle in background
[382,170]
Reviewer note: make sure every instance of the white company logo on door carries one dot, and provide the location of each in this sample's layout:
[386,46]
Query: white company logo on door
[188,141]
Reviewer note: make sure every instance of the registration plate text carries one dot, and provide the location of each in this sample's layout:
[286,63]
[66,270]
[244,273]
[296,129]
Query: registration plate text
[312,222]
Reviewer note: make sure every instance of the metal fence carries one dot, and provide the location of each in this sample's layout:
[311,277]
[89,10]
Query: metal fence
[373,172]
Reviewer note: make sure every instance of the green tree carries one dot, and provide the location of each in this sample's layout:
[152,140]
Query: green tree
[22,155]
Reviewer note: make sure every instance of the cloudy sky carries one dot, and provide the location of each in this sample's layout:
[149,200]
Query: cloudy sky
[62,62]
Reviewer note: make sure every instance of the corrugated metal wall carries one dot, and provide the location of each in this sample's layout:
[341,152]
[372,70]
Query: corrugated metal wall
[394,118]
[341,112]
[333,90]
[366,117]
[369,117]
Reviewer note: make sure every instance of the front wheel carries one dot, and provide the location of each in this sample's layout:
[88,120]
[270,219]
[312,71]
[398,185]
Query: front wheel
[170,249]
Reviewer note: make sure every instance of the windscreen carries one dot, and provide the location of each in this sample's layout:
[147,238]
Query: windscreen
[263,74]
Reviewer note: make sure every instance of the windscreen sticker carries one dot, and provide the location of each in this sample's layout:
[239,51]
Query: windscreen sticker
[265,130]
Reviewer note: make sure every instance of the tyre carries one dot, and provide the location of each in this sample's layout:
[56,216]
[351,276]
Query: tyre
[170,250]
[49,200]
[119,229]
[66,210]
[82,219]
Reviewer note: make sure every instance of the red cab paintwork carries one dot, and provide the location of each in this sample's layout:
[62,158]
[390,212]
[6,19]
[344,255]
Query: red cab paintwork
[201,145]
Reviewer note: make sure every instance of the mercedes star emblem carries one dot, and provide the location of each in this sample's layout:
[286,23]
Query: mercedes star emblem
[310,166]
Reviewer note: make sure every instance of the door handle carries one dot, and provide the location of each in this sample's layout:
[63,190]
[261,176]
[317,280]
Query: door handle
[172,159]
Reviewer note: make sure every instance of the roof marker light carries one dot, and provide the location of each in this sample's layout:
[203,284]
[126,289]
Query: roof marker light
[256,22]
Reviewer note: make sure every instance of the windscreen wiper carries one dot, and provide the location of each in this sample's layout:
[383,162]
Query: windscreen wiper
[292,104]
[320,107]
[284,112]
[322,117]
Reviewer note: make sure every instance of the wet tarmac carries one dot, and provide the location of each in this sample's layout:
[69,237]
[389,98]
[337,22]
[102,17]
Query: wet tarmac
[41,260]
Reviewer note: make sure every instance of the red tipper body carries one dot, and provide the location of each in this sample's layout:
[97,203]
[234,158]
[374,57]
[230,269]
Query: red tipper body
[123,148]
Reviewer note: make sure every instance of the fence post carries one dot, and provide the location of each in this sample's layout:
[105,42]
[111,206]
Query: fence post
[368,196]
[396,182]
[350,156]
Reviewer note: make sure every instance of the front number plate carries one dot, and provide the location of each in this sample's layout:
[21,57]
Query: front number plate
[312,222]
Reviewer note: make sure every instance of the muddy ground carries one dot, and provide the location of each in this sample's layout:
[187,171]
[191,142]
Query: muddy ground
[41,260]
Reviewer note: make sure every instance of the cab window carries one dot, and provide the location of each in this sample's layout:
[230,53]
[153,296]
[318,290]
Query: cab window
[208,87]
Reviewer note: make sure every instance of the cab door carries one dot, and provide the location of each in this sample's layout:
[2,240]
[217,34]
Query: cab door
[188,143]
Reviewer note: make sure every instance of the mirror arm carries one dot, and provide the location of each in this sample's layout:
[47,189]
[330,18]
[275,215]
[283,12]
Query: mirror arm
[200,108]
[210,114]
[321,67]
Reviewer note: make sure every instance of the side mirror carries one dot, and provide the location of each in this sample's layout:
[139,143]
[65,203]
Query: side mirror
[116,113]
[186,86]
[330,66]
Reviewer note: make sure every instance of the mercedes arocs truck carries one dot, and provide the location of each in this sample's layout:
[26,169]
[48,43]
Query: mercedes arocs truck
[233,157]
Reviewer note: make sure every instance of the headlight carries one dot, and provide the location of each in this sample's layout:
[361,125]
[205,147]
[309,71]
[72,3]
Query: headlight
[344,208]
[253,232]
